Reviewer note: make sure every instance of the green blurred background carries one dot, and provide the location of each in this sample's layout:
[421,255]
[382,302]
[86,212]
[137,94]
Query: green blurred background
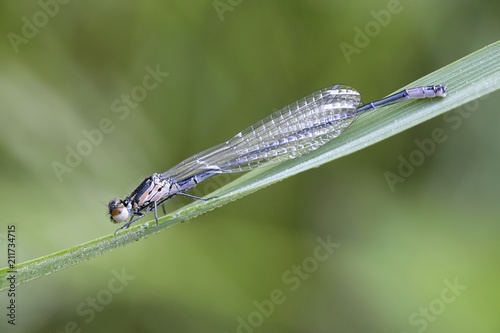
[231,63]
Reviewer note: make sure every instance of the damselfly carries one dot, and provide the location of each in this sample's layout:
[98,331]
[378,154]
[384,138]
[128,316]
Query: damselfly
[288,133]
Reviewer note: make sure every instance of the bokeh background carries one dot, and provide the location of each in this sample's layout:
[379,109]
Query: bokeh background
[230,63]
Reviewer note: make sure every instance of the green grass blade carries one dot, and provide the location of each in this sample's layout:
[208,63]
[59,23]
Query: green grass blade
[467,79]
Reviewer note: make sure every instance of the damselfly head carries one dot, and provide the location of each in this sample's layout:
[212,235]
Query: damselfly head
[119,210]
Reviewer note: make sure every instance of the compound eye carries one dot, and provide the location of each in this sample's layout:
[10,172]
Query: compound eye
[118,211]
